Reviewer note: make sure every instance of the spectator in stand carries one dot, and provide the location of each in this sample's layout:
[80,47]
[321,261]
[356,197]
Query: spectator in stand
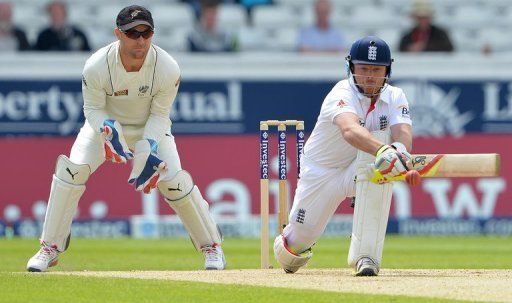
[207,36]
[12,38]
[425,36]
[60,35]
[321,37]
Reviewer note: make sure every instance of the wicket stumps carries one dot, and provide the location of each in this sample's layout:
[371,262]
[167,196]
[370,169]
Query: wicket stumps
[282,218]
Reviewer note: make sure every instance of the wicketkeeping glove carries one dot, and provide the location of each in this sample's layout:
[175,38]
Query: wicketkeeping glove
[114,145]
[147,167]
[390,162]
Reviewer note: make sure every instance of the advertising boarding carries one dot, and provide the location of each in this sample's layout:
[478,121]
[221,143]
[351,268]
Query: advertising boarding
[216,126]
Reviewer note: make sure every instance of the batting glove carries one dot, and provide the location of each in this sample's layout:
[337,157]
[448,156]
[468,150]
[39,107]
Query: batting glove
[399,147]
[147,167]
[115,147]
[389,162]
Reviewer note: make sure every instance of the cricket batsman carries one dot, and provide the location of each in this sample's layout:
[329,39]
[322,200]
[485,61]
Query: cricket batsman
[363,121]
[128,88]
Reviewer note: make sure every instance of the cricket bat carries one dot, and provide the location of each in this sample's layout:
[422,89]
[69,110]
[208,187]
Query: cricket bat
[447,165]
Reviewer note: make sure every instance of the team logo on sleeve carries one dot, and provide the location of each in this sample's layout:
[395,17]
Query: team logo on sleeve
[83,81]
[177,82]
[342,103]
[383,122]
[404,111]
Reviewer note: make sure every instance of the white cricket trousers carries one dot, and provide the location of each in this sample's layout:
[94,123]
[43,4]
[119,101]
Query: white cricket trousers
[319,192]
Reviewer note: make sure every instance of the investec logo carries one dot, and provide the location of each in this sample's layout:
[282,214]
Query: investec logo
[47,112]
[264,154]
[300,141]
[282,155]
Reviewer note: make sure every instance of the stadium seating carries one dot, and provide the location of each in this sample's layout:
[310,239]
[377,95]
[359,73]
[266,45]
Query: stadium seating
[168,17]
[272,17]
[175,39]
[372,17]
[106,15]
[471,23]
[29,18]
[231,16]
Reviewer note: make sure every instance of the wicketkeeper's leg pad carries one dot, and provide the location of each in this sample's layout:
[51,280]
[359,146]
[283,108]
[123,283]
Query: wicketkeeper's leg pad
[371,210]
[186,200]
[68,185]
[289,261]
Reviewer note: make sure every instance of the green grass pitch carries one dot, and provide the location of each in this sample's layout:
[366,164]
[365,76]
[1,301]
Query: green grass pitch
[178,254]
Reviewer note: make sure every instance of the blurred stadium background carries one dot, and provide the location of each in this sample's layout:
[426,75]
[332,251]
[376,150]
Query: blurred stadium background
[461,102]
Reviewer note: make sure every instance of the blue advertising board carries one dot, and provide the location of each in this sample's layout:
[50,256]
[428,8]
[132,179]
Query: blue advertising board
[438,108]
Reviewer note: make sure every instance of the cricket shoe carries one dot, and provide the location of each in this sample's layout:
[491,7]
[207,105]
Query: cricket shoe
[46,257]
[366,267]
[213,257]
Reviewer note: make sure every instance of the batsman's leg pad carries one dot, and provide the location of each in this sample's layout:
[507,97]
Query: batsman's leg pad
[186,200]
[289,261]
[371,211]
[68,185]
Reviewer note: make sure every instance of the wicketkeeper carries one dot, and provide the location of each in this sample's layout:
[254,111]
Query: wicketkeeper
[128,89]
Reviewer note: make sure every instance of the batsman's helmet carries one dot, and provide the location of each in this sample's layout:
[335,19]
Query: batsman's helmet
[370,50]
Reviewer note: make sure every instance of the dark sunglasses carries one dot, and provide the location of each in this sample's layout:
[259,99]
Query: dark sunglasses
[134,34]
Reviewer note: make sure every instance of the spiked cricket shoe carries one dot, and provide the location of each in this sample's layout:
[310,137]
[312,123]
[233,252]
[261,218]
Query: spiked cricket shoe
[213,257]
[366,267]
[46,257]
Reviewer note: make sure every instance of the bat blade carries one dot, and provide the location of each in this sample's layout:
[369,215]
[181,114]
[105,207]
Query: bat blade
[448,166]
